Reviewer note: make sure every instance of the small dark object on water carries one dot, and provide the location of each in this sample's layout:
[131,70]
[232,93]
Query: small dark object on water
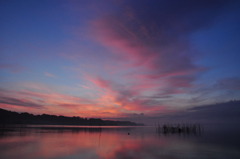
[128,133]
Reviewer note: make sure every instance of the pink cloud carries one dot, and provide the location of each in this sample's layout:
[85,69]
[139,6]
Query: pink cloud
[156,58]
[125,101]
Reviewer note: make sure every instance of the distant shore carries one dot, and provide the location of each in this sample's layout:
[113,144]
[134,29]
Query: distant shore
[9,117]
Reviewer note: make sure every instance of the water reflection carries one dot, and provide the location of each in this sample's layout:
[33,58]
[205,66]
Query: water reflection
[106,143]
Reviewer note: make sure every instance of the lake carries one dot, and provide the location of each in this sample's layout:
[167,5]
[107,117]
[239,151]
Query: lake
[81,142]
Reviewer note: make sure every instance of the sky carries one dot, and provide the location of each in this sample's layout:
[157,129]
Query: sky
[118,58]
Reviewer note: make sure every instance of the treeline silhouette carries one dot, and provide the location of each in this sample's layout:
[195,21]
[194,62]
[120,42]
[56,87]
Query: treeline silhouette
[9,117]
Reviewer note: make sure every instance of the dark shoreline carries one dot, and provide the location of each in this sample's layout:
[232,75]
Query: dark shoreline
[12,118]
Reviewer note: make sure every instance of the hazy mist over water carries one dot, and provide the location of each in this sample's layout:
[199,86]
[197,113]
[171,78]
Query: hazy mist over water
[116,142]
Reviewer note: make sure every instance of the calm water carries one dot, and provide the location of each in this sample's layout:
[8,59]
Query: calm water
[116,142]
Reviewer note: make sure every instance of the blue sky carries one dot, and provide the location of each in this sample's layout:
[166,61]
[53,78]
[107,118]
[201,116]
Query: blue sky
[118,58]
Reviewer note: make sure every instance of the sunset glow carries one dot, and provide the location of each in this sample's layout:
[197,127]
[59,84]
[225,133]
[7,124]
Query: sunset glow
[117,59]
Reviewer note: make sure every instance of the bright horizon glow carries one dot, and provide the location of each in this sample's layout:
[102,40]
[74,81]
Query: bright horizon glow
[118,59]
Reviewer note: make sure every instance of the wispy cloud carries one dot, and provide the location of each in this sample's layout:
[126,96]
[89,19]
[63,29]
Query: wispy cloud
[214,113]
[15,68]
[20,102]
[212,93]
[127,100]
[123,59]
[49,75]
[232,83]
[155,45]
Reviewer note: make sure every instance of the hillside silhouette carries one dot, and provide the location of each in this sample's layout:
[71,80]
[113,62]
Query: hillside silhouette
[9,117]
